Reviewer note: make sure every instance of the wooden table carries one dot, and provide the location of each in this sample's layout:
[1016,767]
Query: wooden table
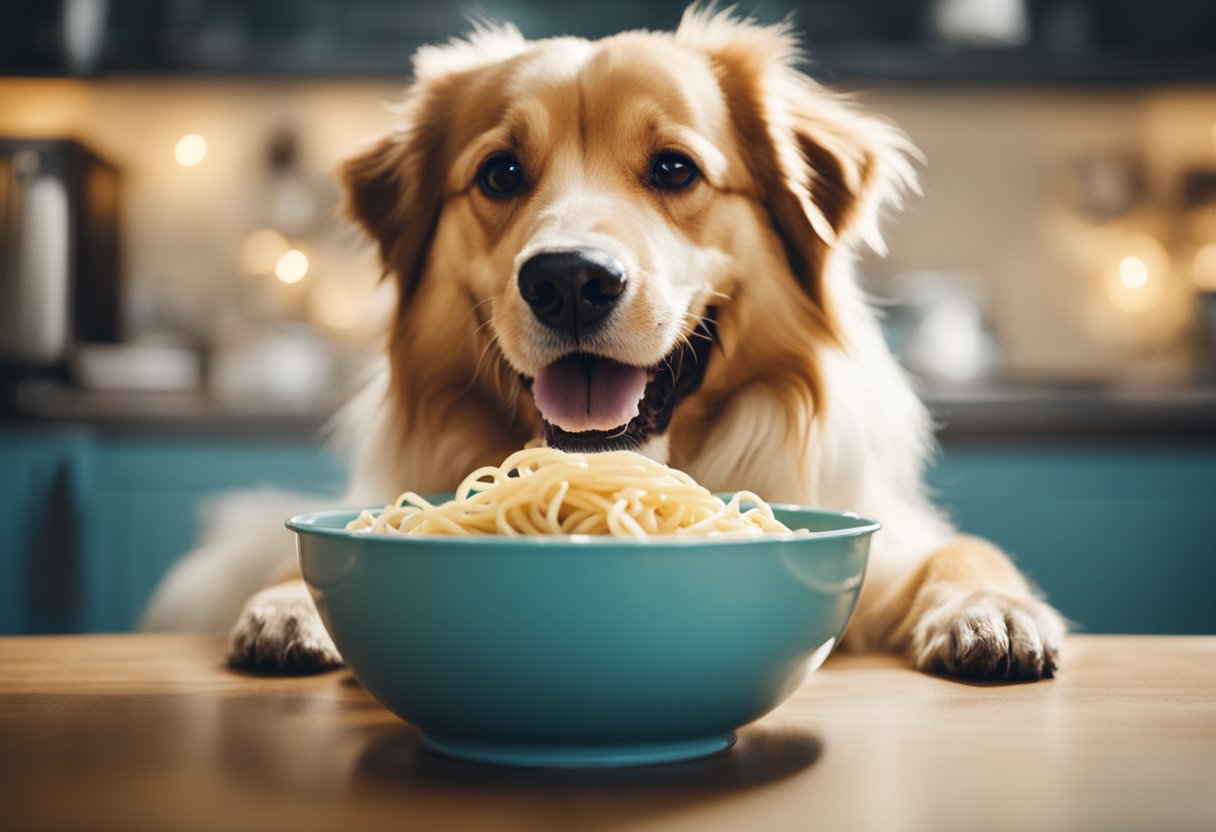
[153,733]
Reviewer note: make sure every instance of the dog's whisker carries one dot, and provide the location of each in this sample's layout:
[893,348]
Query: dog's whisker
[689,349]
[686,347]
[475,309]
[485,350]
[482,303]
[700,324]
[505,377]
[667,365]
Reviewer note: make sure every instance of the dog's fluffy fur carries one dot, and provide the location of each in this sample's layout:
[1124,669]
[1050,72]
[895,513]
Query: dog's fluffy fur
[801,400]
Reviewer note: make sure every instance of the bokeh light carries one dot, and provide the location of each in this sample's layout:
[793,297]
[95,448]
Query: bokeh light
[261,251]
[292,266]
[334,305]
[1133,273]
[1137,282]
[1203,269]
[190,150]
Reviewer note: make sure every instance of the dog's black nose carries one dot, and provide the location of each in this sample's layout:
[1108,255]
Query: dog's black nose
[571,291]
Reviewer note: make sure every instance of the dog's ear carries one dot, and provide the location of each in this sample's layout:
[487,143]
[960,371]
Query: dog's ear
[391,192]
[824,169]
[395,188]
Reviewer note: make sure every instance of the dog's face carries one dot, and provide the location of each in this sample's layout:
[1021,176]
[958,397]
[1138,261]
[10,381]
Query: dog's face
[598,204]
[605,213]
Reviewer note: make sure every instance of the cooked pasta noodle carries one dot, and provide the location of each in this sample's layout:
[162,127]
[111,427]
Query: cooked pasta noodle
[546,491]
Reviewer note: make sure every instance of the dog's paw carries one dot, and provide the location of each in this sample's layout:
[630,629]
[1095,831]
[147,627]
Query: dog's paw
[279,630]
[983,635]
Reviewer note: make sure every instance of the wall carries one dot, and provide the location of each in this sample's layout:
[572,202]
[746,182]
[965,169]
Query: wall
[184,226]
[999,205]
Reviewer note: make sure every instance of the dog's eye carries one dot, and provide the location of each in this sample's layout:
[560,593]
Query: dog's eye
[673,171]
[501,175]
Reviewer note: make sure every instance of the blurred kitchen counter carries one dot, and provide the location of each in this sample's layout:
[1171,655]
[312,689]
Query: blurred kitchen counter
[983,410]
[994,410]
[185,413]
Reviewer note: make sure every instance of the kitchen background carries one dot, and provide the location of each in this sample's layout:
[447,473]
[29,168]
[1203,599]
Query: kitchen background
[181,309]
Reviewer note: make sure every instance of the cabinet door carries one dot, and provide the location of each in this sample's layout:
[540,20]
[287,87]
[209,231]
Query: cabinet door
[40,498]
[145,499]
[1118,536]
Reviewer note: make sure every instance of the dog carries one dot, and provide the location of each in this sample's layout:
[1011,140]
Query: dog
[649,242]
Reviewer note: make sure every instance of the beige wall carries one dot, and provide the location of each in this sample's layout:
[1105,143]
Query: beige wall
[997,205]
[184,226]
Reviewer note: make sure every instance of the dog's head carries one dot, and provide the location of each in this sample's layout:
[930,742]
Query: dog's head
[613,229]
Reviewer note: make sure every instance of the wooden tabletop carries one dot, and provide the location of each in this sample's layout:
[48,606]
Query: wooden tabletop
[154,733]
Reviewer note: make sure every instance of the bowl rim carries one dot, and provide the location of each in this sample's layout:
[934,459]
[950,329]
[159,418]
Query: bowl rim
[308,523]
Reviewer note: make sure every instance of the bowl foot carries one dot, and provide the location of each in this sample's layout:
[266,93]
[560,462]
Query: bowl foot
[579,756]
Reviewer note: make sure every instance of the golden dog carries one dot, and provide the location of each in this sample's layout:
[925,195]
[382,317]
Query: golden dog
[648,241]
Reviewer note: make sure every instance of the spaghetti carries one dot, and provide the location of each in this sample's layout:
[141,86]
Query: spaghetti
[544,491]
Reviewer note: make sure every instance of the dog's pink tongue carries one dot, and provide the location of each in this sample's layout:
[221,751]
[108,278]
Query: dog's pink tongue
[580,394]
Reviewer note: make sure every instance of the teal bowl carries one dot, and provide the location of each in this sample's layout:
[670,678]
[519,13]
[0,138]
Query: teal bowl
[578,651]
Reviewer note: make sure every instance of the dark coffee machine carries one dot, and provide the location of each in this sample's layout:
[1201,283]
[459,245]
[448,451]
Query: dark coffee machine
[59,255]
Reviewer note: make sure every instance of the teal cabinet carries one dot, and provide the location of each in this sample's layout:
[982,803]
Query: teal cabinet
[90,522]
[41,494]
[146,496]
[1120,536]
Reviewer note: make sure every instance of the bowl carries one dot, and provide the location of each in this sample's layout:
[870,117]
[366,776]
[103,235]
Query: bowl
[582,651]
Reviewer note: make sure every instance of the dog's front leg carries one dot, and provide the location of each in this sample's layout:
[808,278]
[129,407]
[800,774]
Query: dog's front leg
[279,630]
[967,611]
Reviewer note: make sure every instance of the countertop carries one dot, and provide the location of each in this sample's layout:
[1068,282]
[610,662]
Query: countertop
[180,413]
[985,410]
[143,732]
[1072,411]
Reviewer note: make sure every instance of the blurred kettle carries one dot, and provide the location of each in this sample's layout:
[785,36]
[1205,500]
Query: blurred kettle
[938,326]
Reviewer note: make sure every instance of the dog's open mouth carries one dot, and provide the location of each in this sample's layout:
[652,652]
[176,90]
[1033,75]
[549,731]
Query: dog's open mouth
[592,403]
